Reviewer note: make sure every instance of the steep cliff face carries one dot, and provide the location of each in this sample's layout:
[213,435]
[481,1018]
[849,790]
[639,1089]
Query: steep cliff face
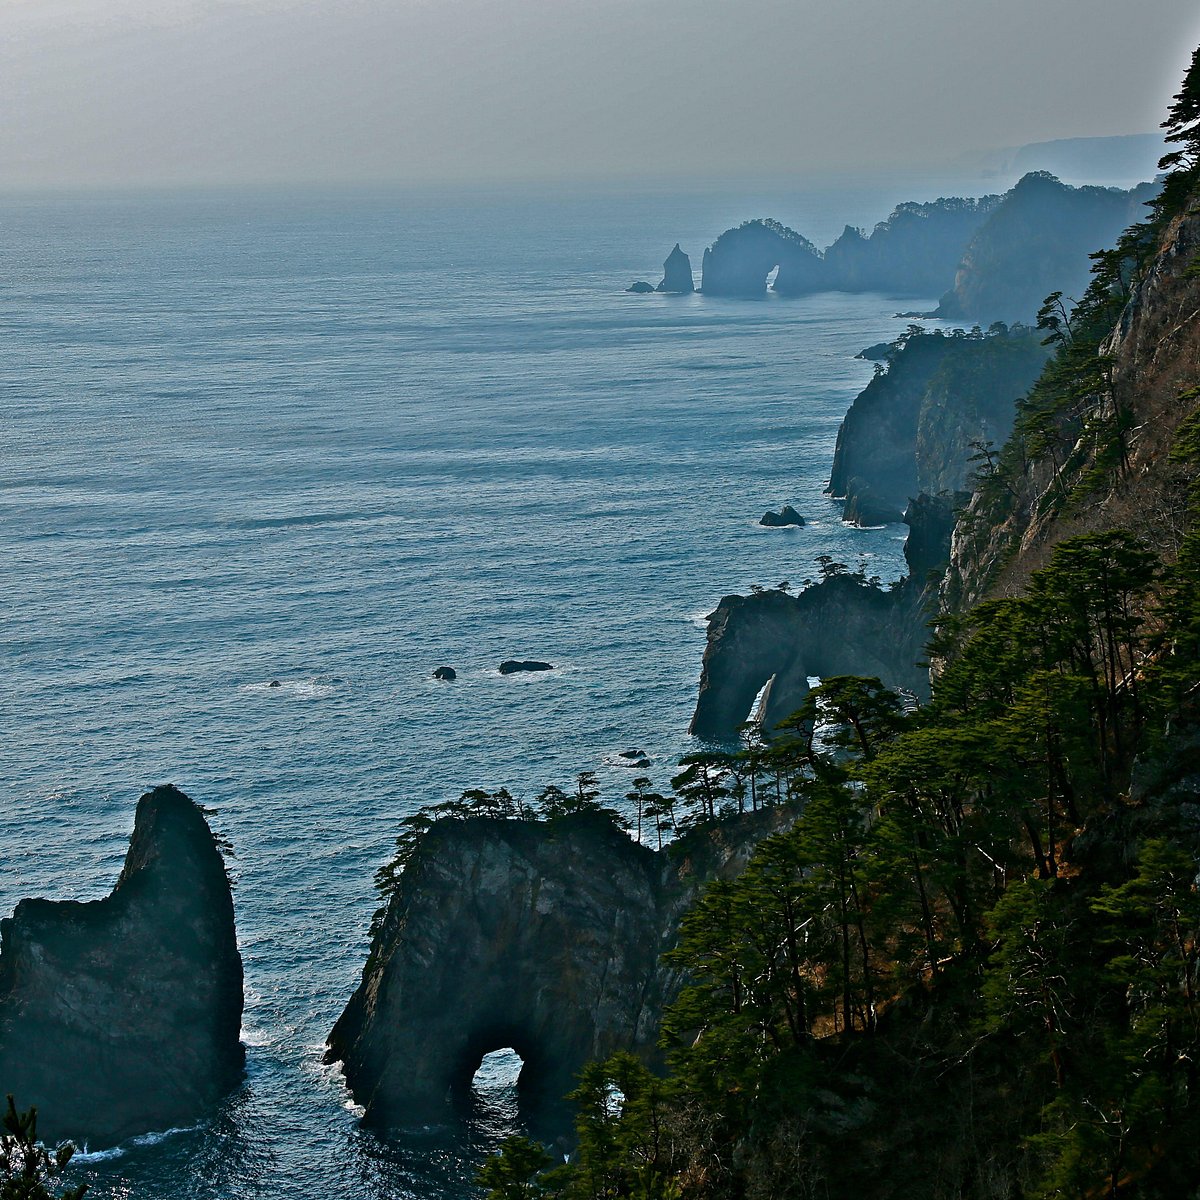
[1037,242]
[910,430]
[1155,356]
[677,273]
[542,936]
[739,261]
[777,641]
[122,1015]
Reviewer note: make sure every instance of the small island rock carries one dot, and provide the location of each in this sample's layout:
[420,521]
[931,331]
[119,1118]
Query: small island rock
[677,274]
[641,288]
[787,515]
[511,665]
[446,673]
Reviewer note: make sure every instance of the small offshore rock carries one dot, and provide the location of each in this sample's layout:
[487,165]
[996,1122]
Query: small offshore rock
[632,754]
[641,287]
[511,666]
[274,683]
[880,352]
[446,673]
[787,515]
[677,274]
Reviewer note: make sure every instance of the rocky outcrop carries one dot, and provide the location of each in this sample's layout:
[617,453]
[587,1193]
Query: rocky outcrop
[677,274]
[641,288]
[1036,242]
[914,252]
[915,426]
[447,674]
[774,641]
[786,516]
[122,1015]
[740,260]
[542,936]
[511,666]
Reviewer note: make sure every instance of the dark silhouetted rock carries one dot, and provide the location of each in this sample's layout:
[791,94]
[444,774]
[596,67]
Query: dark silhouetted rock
[739,261]
[274,683]
[641,287]
[511,666]
[121,1016]
[930,521]
[543,936]
[446,673]
[915,251]
[880,352]
[677,273]
[787,515]
[633,754]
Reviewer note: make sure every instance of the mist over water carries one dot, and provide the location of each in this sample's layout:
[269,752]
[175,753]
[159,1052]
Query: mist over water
[335,441]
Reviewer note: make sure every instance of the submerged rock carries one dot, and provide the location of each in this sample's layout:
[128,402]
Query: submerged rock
[677,273]
[787,515]
[446,673]
[122,1015]
[511,666]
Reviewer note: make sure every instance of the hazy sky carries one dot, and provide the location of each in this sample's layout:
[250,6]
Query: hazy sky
[417,90]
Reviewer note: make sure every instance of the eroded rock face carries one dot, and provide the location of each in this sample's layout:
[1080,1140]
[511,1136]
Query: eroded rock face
[838,627]
[542,936]
[915,426]
[677,273]
[122,1015]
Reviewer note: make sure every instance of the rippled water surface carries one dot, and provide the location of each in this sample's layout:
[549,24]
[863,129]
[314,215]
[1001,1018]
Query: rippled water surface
[337,441]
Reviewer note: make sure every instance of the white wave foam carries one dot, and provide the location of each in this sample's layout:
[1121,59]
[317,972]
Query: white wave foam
[292,689]
[84,1155]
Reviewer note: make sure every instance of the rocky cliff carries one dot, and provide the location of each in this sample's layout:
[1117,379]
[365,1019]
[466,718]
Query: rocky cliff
[911,429]
[1154,357]
[739,261]
[1037,241]
[122,1015]
[545,936]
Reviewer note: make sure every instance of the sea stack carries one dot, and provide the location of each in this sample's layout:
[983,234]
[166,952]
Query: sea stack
[677,273]
[121,1016]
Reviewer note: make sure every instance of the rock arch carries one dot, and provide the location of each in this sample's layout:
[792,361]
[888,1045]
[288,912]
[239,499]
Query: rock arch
[776,641]
[542,936]
[740,260]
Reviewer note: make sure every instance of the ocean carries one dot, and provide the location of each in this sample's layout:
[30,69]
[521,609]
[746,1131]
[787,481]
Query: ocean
[336,439]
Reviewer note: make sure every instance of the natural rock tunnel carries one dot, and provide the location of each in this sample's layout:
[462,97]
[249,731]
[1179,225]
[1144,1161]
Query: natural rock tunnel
[542,936]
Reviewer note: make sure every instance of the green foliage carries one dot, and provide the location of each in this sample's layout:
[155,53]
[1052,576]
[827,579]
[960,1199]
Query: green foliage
[28,1170]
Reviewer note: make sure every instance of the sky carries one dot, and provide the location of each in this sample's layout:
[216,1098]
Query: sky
[111,92]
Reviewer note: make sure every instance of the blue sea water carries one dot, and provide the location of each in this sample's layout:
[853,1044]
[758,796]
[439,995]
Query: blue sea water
[337,440]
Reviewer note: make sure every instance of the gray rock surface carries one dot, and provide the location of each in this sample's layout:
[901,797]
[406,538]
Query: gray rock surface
[837,627]
[122,1015]
[511,666]
[542,936]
